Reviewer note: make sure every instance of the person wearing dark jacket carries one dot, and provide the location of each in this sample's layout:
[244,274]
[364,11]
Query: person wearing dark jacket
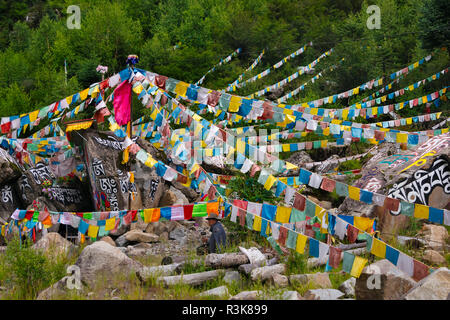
[218,238]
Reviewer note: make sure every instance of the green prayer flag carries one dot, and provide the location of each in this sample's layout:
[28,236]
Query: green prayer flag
[291,241]
[199,210]
[347,262]
[297,215]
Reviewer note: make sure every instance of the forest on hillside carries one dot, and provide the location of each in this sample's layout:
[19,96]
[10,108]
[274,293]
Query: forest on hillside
[184,39]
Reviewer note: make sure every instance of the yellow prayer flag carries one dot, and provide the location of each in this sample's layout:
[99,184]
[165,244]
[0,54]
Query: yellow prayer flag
[286,147]
[356,91]
[181,88]
[84,94]
[363,223]
[235,102]
[301,242]
[378,248]
[283,214]
[402,137]
[358,266]
[323,143]
[93,231]
[269,182]
[326,131]
[353,192]
[345,114]
[290,166]
[257,223]
[421,211]
[150,162]
[110,224]
[408,120]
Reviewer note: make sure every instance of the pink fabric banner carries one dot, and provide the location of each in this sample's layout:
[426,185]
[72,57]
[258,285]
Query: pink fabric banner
[122,103]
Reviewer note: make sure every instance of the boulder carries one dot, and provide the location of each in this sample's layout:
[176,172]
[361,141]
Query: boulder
[56,291]
[279,280]
[435,236]
[433,257]
[382,281]
[265,273]
[138,236]
[146,273]
[323,294]
[179,235]
[232,276]
[435,286]
[54,244]
[108,240]
[225,260]
[122,241]
[291,295]
[320,280]
[255,256]
[179,196]
[190,194]
[192,279]
[246,268]
[8,167]
[9,201]
[348,287]
[249,295]
[103,260]
[219,292]
[168,199]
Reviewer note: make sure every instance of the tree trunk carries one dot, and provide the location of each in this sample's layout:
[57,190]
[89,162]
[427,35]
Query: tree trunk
[225,260]
[192,279]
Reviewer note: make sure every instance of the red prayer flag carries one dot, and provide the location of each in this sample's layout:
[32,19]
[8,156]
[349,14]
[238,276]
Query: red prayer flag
[122,103]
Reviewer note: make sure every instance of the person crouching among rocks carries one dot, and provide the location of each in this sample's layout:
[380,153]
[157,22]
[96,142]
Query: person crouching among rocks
[218,238]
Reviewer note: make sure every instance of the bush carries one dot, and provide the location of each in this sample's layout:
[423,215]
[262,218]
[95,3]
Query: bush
[26,271]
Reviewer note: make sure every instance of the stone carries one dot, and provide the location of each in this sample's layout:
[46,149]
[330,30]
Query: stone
[272,261]
[168,199]
[103,260]
[225,260]
[433,257]
[249,295]
[265,273]
[246,268]
[179,235]
[320,280]
[255,256]
[138,236]
[146,273]
[10,200]
[192,279]
[232,276]
[435,286]
[8,167]
[412,242]
[54,244]
[219,292]
[291,295]
[108,240]
[279,280]
[435,236]
[156,228]
[348,287]
[323,294]
[56,291]
[180,198]
[382,281]
[164,236]
[190,194]
[122,241]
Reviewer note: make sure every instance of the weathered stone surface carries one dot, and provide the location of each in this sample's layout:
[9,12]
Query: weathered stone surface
[279,280]
[323,294]
[54,244]
[232,276]
[436,286]
[220,292]
[192,279]
[321,280]
[190,194]
[435,236]
[265,273]
[100,260]
[291,295]
[168,199]
[225,260]
[8,167]
[108,240]
[146,273]
[56,291]
[255,256]
[249,295]
[9,201]
[179,235]
[413,242]
[382,281]
[121,241]
[138,236]
[348,287]
[433,257]
[246,268]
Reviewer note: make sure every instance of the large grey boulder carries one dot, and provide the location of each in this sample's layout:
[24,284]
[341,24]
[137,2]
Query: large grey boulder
[319,279]
[54,244]
[382,281]
[436,286]
[348,287]
[323,294]
[249,295]
[219,292]
[265,273]
[232,276]
[138,236]
[101,260]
